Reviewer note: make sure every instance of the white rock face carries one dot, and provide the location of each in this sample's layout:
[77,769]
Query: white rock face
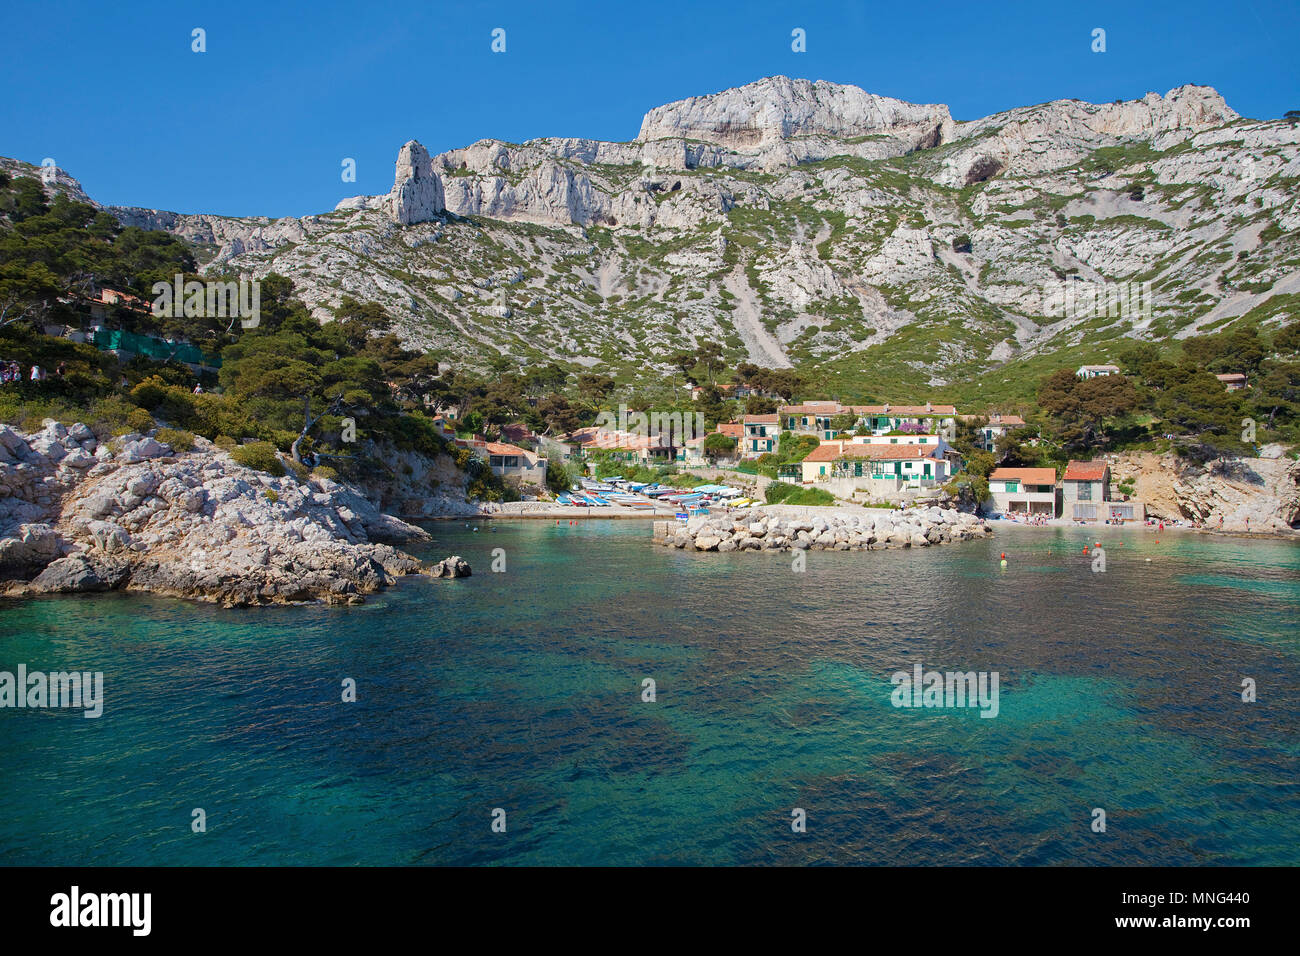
[417,194]
[236,237]
[773,214]
[1259,495]
[551,194]
[778,108]
[194,525]
[1033,139]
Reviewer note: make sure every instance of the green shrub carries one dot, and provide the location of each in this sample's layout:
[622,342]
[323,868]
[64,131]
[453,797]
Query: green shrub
[811,496]
[270,495]
[782,493]
[109,417]
[778,491]
[558,477]
[225,442]
[325,472]
[259,455]
[149,393]
[138,420]
[179,439]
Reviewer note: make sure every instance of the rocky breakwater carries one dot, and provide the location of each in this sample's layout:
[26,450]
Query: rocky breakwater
[78,513]
[760,529]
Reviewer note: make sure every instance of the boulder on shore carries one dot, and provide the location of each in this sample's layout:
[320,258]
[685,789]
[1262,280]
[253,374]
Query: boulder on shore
[452,567]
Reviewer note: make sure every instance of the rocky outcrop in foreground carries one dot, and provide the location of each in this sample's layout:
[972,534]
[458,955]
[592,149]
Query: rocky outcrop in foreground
[80,514]
[758,529]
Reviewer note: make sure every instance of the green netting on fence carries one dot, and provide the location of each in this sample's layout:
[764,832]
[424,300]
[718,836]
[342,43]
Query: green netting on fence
[155,348]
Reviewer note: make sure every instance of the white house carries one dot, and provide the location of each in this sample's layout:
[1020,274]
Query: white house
[1024,490]
[762,433]
[1096,371]
[511,461]
[896,466]
[814,418]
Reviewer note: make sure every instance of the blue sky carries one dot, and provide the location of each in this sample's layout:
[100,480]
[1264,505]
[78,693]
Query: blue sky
[261,122]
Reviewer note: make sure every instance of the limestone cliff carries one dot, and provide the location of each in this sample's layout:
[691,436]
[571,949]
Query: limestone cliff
[1249,494]
[803,222]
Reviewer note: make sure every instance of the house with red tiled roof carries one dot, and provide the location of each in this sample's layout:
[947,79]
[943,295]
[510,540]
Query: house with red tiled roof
[887,418]
[814,418]
[725,389]
[1086,495]
[734,430]
[1085,489]
[517,432]
[887,467]
[513,462]
[623,445]
[810,418]
[1024,490]
[761,434]
[692,452]
[933,441]
[509,461]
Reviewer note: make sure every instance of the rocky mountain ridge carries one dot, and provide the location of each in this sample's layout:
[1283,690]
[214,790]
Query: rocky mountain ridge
[810,223]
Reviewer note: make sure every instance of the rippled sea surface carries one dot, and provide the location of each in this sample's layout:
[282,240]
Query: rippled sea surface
[523,690]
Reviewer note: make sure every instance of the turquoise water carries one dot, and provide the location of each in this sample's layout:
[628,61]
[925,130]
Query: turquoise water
[523,691]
